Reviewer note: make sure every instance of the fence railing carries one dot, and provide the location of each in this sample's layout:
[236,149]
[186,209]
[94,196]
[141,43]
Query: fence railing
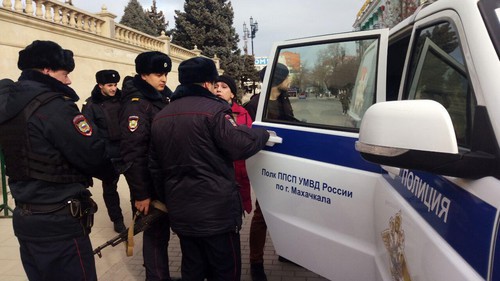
[5,203]
[58,13]
[100,24]
[131,36]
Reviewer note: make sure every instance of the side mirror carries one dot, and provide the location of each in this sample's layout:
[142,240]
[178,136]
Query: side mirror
[419,134]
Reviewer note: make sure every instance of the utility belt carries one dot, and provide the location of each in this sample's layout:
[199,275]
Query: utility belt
[82,209]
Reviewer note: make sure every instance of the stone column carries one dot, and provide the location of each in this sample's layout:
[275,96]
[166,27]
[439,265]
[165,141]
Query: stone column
[108,28]
[166,39]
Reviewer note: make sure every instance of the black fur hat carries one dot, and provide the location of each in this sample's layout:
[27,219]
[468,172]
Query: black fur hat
[45,54]
[280,74]
[262,72]
[197,70]
[229,82]
[107,76]
[152,62]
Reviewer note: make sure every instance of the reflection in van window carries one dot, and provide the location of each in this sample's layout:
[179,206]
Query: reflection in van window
[438,72]
[325,84]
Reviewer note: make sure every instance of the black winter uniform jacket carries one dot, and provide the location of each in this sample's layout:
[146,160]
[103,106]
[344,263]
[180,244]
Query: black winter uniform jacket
[53,132]
[140,103]
[194,144]
[105,111]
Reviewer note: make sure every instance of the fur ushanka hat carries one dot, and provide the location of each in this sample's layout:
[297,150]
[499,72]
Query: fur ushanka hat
[45,54]
[197,70]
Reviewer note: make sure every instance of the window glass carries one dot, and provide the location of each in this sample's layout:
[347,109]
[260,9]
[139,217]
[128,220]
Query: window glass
[438,72]
[326,84]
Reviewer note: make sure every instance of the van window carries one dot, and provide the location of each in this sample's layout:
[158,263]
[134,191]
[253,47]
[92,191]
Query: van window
[324,84]
[438,72]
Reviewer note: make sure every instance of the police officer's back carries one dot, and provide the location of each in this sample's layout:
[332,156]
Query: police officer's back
[51,152]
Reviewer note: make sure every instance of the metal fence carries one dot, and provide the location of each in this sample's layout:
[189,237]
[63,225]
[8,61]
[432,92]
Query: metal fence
[5,210]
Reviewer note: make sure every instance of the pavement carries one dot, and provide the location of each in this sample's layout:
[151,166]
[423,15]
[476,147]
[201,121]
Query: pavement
[116,266]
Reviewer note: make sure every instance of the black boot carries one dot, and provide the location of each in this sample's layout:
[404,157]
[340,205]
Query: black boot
[257,272]
[119,226]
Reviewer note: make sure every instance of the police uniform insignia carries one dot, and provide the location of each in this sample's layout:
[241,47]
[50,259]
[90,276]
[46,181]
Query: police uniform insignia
[394,241]
[135,99]
[230,119]
[82,125]
[133,123]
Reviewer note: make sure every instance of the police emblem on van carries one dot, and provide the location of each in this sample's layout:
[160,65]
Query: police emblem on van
[394,241]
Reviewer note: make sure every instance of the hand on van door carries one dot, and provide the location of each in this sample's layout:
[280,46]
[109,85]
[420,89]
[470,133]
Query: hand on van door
[273,138]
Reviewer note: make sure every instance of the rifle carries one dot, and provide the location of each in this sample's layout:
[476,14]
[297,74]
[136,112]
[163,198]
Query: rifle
[140,223]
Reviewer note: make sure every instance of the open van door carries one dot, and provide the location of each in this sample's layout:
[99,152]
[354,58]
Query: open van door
[315,190]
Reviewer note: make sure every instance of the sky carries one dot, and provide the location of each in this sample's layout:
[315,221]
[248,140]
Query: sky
[278,20]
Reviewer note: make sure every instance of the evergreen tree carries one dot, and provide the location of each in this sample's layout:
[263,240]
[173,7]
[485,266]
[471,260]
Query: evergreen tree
[249,73]
[135,17]
[208,24]
[158,19]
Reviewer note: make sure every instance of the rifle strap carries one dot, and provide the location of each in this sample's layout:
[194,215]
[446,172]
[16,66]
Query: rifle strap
[130,236]
[159,205]
[129,245]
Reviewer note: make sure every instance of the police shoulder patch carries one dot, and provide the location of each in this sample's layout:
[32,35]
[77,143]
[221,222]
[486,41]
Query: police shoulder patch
[231,120]
[133,123]
[82,125]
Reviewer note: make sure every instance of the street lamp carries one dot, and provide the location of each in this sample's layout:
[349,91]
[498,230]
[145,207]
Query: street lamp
[245,38]
[254,26]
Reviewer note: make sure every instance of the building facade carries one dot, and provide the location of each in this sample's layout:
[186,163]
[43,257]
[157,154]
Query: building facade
[376,14]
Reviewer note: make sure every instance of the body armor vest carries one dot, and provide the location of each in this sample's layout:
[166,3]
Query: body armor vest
[22,163]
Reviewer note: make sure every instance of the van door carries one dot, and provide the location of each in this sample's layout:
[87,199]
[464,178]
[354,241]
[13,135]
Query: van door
[437,208]
[315,191]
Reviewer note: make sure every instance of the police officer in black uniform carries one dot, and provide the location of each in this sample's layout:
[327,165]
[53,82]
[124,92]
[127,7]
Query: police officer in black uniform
[195,142]
[144,95]
[103,108]
[51,152]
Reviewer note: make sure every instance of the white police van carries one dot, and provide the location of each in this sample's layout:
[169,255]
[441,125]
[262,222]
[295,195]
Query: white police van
[405,185]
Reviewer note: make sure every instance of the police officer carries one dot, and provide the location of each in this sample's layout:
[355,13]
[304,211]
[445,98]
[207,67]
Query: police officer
[103,108]
[51,151]
[194,143]
[144,95]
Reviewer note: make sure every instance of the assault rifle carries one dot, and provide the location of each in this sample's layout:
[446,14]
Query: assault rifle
[140,223]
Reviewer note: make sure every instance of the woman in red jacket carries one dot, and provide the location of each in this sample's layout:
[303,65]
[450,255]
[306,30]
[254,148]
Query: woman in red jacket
[226,90]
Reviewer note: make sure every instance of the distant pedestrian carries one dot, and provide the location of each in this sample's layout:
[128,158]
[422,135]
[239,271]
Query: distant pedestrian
[103,108]
[344,100]
[195,141]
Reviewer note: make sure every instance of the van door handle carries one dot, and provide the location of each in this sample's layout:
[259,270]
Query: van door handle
[392,171]
[273,138]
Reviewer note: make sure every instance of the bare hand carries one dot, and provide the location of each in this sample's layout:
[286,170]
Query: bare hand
[143,205]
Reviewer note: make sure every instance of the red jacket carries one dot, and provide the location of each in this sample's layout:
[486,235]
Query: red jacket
[242,118]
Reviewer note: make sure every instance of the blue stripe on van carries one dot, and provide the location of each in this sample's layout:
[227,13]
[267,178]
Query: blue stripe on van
[330,149]
[470,220]
[495,274]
